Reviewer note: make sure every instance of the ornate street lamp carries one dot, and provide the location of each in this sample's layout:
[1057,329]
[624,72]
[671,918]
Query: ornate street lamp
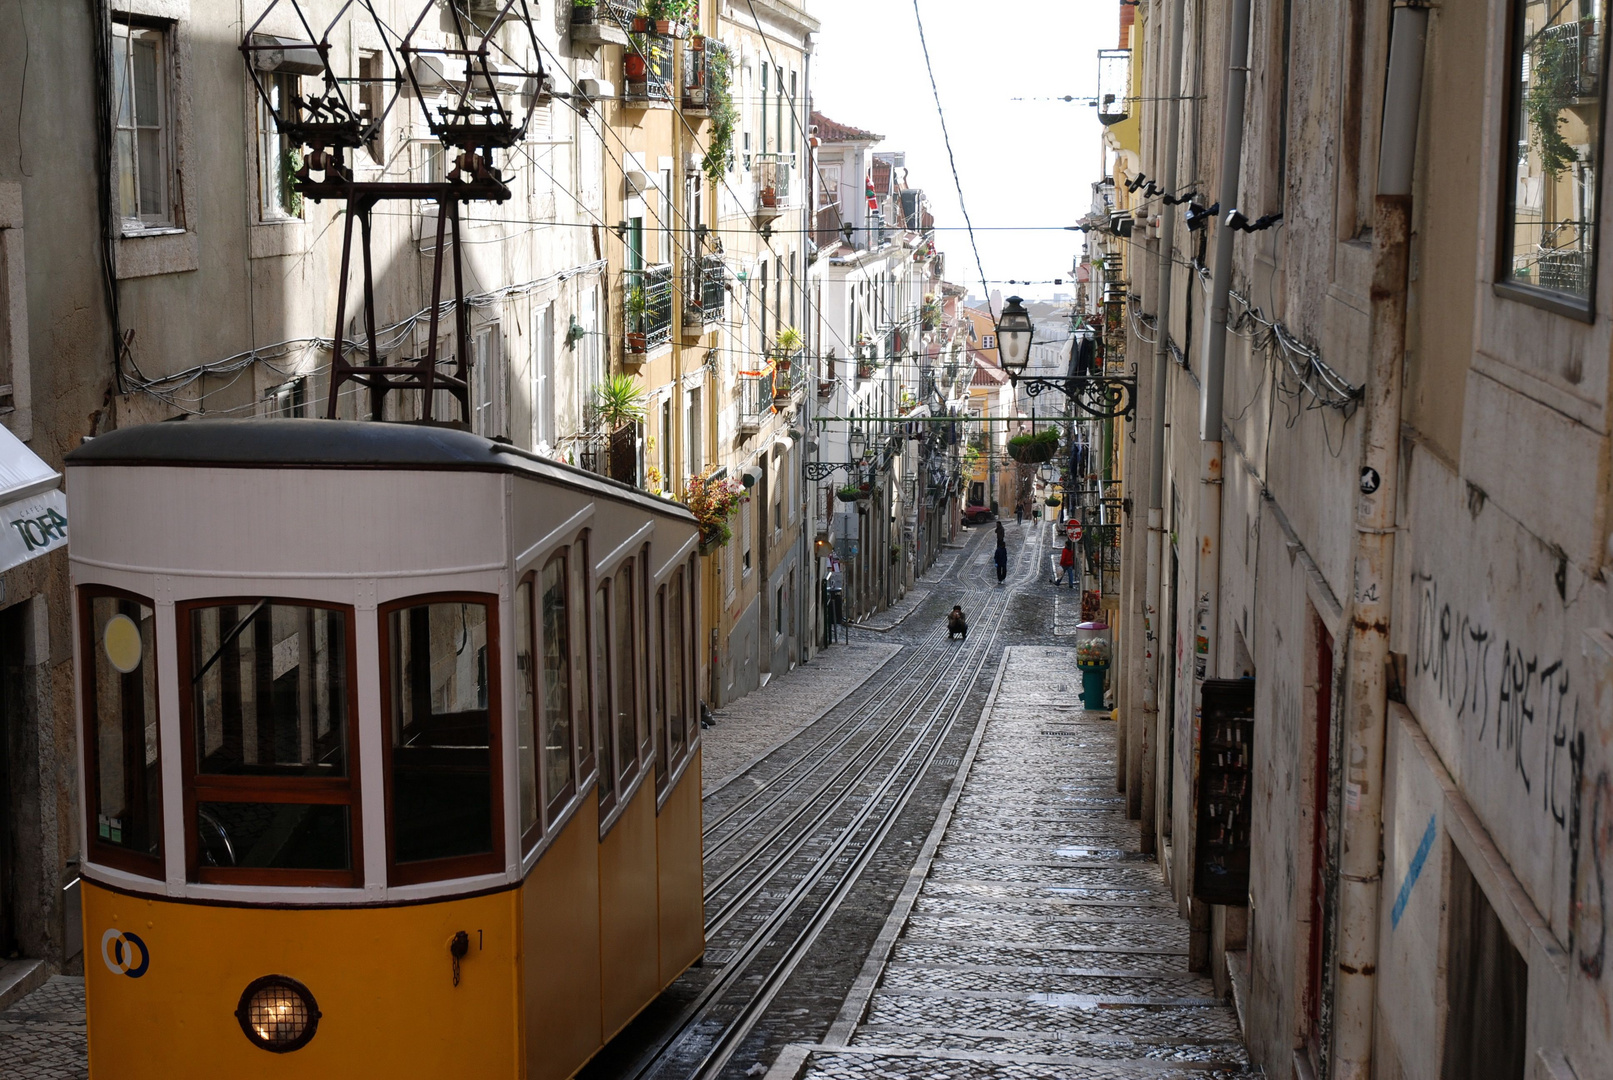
[857,443]
[1014,336]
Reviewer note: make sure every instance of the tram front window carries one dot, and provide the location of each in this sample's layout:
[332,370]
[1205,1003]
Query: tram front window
[558,760]
[121,721]
[268,730]
[441,660]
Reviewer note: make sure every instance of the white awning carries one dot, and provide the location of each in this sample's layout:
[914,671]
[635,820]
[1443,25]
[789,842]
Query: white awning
[33,508]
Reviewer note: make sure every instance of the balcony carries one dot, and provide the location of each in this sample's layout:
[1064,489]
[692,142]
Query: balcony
[704,293]
[771,175]
[1564,269]
[755,402]
[1577,53]
[647,305]
[647,71]
[700,56]
[608,23]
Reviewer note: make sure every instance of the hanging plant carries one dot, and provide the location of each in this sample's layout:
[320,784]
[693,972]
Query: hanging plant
[1034,447]
[719,156]
[849,493]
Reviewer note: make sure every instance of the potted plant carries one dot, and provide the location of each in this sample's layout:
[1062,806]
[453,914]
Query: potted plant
[865,491]
[788,341]
[584,12]
[1034,447]
[638,307]
[635,66]
[724,117]
[618,401]
[849,493]
[1054,501]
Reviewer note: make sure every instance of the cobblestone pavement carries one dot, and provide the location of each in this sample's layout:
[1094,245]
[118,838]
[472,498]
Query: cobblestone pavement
[42,1036]
[757,723]
[1037,942]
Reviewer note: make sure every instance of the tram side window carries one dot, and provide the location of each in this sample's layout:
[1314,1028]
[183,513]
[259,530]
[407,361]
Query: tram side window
[269,725]
[441,667]
[600,630]
[658,676]
[526,734]
[625,654]
[559,760]
[584,704]
[121,723]
[677,669]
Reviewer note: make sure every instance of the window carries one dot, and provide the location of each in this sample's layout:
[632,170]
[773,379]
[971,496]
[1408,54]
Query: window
[526,724]
[679,714]
[666,443]
[625,654]
[141,104]
[600,629]
[1486,1029]
[489,384]
[668,214]
[371,93]
[439,660]
[559,758]
[745,515]
[544,432]
[278,157]
[658,685]
[268,722]
[829,190]
[289,398]
[586,733]
[695,458]
[988,341]
[120,724]
[1549,220]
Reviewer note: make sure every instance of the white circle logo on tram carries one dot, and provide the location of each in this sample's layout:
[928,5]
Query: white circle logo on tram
[124,953]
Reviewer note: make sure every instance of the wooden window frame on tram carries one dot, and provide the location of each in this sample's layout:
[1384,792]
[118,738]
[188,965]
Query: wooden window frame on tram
[148,866]
[553,807]
[455,866]
[197,787]
[625,785]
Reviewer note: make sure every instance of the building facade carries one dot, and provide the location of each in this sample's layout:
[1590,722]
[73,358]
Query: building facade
[1399,862]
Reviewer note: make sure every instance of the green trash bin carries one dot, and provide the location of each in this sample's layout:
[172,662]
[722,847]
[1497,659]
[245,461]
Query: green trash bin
[1092,677]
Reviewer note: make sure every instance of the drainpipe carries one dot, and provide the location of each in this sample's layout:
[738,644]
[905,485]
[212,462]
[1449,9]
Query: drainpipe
[1148,735]
[1207,595]
[1365,694]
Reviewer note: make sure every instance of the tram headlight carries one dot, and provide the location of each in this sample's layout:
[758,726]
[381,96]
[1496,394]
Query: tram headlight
[278,1014]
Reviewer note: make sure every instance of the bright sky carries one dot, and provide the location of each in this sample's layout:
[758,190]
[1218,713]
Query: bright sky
[1020,162]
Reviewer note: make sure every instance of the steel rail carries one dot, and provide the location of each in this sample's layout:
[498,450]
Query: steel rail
[950,707]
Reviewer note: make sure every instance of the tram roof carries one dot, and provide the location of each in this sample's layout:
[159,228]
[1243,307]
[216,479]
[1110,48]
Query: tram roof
[296,443]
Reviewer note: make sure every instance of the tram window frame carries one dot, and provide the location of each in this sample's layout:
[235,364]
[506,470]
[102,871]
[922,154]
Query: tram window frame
[658,685]
[582,643]
[691,625]
[645,718]
[604,708]
[198,787]
[144,864]
[528,770]
[678,654]
[555,798]
[629,760]
[444,868]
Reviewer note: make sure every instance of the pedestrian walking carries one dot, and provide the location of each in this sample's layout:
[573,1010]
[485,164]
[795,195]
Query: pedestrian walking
[1002,537]
[1067,562]
[1019,514]
[836,589]
[1001,558]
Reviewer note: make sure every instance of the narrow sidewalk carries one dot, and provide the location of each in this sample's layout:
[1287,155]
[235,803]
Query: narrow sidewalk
[1034,939]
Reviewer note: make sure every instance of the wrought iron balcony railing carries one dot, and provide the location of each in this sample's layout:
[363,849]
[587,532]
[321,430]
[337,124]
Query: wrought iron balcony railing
[647,64]
[647,304]
[703,289]
[771,173]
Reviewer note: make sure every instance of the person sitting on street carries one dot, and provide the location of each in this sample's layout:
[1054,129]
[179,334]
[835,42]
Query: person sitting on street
[957,624]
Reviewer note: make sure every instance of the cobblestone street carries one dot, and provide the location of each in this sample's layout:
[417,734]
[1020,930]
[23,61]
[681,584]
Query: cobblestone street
[42,1036]
[1033,939]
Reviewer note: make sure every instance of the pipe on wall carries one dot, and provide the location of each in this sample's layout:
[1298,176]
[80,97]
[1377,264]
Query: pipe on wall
[1372,592]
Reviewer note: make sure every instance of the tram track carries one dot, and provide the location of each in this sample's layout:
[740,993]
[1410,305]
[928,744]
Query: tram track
[850,788]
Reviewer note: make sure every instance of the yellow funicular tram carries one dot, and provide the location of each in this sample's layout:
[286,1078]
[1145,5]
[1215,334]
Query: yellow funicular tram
[390,758]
